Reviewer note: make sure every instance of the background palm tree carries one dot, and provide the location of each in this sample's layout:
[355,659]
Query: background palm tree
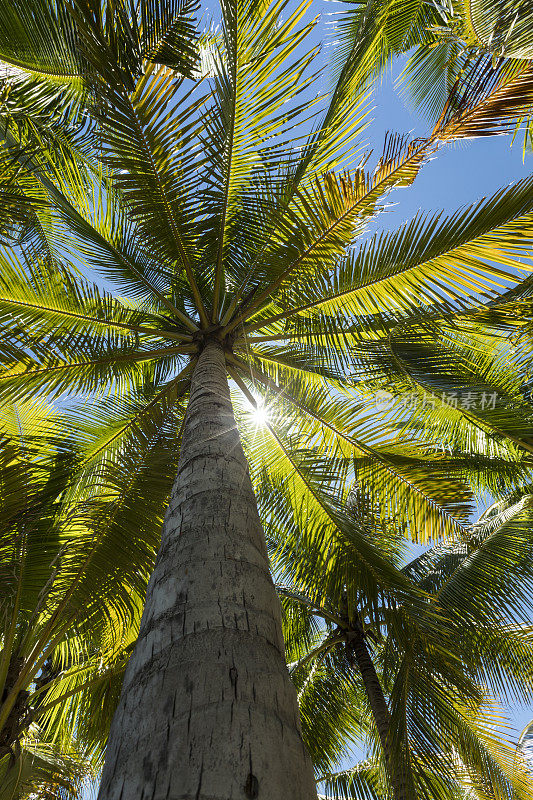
[430,735]
[457,48]
[71,598]
[229,245]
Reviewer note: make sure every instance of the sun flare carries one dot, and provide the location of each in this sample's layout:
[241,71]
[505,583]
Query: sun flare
[260,416]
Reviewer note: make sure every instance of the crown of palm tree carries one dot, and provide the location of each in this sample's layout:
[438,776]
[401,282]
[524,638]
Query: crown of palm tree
[211,213]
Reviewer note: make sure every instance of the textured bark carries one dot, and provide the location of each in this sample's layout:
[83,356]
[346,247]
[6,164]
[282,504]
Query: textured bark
[207,710]
[357,649]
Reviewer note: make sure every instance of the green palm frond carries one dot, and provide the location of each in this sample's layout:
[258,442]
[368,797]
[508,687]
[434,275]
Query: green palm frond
[58,41]
[480,406]
[440,260]
[340,428]
[364,781]
[456,49]
[256,81]
[73,576]
[39,38]
[504,27]
[41,770]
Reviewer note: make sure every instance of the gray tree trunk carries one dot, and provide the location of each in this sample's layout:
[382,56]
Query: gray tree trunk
[358,652]
[207,710]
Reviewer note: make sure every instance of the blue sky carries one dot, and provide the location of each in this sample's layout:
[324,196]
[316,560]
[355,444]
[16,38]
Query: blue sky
[460,174]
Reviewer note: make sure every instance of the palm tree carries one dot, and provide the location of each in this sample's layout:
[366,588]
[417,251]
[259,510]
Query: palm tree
[70,613]
[456,47]
[469,40]
[217,215]
[435,736]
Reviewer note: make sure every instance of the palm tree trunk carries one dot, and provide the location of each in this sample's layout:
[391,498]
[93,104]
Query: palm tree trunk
[358,650]
[207,710]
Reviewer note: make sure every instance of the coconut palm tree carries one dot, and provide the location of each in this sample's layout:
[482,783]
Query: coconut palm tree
[455,46]
[70,612]
[469,41]
[221,217]
[430,736]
